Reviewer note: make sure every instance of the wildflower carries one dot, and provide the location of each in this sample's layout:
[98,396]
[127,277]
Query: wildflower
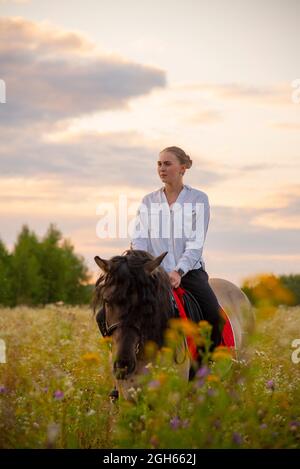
[91,357]
[204,324]
[213,378]
[162,378]
[186,326]
[294,425]
[221,353]
[185,423]
[105,340]
[175,423]
[52,434]
[154,384]
[58,395]
[217,424]
[203,372]
[270,384]
[154,441]
[263,426]
[237,438]
[199,383]
[3,390]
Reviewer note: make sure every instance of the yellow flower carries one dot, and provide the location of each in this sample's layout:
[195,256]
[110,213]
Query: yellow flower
[105,340]
[221,356]
[91,357]
[222,352]
[172,336]
[188,327]
[150,349]
[204,326]
[213,379]
[162,378]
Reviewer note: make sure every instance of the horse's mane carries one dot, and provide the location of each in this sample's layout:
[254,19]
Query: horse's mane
[152,307]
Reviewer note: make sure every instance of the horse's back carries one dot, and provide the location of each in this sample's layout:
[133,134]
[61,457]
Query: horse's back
[237,307]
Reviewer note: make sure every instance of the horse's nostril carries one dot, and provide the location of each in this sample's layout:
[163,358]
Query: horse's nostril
[122,368]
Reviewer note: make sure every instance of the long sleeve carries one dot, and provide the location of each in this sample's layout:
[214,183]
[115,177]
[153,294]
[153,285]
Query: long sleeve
[195,242]
[139,237]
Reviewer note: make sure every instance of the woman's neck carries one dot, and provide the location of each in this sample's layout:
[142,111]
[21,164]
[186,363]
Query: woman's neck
[172,189]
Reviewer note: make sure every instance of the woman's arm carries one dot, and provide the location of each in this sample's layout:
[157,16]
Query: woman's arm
[195,242]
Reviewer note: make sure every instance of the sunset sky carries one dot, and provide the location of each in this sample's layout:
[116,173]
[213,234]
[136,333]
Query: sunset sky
[95,89]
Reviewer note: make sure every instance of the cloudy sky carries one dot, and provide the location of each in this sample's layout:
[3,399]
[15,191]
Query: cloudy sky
[95,89]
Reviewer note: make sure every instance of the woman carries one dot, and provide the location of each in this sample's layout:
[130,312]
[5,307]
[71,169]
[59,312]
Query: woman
[184,262]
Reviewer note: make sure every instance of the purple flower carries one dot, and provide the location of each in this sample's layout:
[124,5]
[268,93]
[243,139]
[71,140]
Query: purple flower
[58,395]
[3,390]
[203,371]
[154,384]
[185,423]
[270,384]
[294,425]
[175,423]
[263,426]
[217,424]
[237,438]
[199,383]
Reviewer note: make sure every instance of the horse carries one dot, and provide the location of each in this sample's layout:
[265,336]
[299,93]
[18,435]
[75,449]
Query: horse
[136,293]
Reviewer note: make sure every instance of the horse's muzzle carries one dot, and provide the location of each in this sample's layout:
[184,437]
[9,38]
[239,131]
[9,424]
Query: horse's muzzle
[123,368]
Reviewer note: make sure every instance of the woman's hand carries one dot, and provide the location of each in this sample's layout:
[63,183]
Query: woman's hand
[175,278]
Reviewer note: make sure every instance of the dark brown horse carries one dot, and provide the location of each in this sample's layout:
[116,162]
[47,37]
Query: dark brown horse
[136,294]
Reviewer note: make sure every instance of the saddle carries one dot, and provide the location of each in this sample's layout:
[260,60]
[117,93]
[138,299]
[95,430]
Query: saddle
[186,306]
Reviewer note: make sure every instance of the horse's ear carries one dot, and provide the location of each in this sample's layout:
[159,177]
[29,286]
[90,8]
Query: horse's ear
[150,266]
[102,263]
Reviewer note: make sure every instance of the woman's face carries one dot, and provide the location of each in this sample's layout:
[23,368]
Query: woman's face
[169,169]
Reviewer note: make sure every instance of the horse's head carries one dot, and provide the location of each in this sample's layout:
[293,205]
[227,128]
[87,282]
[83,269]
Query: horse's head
[135,292]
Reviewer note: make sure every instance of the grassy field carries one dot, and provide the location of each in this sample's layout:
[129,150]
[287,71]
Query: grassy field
[54,389]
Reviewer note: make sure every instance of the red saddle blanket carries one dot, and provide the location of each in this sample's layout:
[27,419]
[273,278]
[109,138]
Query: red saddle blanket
[227,333]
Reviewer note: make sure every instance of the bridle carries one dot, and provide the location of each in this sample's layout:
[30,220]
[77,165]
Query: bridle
[107,330]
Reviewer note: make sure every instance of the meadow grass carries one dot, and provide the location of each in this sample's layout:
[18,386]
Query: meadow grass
[54,389]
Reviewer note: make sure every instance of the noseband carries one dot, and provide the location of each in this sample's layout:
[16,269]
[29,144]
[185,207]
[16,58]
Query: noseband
[107,331]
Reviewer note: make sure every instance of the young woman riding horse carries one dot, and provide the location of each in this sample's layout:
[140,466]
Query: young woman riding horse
[184,261]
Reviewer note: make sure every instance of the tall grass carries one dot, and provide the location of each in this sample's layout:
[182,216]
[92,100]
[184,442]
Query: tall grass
[54,389]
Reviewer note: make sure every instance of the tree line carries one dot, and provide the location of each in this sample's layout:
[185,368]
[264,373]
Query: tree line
[47,270]
[42,271]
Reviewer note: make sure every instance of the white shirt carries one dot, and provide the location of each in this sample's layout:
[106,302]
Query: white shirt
[179,228]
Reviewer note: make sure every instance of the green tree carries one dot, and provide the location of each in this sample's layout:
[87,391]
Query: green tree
[52,268]
[6,281]
[75,276]
[41,272]
[64,272]
[292,282]
[26,270]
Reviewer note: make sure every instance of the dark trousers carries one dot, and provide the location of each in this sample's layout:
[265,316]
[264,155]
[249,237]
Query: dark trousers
[196,282]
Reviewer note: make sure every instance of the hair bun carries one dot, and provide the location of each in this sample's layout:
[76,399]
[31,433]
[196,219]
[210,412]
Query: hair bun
[189,161]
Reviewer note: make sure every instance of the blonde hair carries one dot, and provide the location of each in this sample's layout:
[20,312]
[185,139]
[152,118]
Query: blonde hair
[182,157]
